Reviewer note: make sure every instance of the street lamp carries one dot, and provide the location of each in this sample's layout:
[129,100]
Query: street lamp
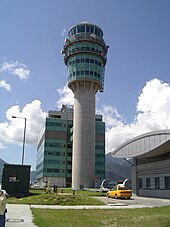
[23,136]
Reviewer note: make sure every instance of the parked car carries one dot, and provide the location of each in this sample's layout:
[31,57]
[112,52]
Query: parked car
[119,192]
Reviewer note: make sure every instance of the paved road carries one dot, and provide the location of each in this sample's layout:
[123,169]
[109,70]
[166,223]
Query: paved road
[136,201]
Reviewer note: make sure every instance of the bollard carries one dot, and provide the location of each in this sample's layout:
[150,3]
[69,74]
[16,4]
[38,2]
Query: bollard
[74,191]
[62,190]
[54,188]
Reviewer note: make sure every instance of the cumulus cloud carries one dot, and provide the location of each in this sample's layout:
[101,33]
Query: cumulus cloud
[5,85]
[66,96]
[152,113]
[12,130]
[15,68]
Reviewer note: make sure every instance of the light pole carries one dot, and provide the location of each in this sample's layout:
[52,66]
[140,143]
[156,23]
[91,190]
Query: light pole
[25,119]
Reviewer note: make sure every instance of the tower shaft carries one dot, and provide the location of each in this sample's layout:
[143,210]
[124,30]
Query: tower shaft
[83,159]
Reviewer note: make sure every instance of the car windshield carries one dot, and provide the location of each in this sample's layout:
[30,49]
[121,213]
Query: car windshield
[122,188]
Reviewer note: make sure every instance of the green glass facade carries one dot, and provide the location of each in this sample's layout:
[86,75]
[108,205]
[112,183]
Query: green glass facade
[54,151]
[85,53]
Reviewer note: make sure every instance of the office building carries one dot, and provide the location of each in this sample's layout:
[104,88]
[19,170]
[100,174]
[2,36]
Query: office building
[54,151]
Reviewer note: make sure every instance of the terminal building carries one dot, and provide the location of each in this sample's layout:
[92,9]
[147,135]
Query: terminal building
[54,150]
[151,163]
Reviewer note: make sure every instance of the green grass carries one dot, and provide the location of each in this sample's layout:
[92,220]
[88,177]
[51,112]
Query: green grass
[148,217]
[38,197]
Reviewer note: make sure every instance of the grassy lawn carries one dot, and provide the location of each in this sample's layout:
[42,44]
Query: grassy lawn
[148,217]
[67,198]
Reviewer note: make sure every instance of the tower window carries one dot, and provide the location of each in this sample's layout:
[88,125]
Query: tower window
[87,28]
[78,29]
[96,31]
[82,28]
[92,29]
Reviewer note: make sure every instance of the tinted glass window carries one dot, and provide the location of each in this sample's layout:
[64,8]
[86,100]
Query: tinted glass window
[82,28]
[78,29]
[167,182]
[87,28]
[92,29]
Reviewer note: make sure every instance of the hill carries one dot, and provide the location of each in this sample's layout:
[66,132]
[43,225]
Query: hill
[117,168]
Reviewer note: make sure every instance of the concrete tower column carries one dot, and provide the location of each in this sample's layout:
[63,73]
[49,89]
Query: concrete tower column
[83,158]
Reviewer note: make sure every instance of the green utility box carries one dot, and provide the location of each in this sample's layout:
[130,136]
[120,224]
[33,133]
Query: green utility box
[16,179]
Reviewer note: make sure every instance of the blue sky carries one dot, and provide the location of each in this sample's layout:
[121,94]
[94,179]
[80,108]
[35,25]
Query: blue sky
[33,76]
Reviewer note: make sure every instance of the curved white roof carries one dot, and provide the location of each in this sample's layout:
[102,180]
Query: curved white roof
[146,145]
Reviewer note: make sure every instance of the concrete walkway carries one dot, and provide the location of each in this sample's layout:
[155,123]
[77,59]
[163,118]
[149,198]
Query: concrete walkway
[19,215]
[101,207]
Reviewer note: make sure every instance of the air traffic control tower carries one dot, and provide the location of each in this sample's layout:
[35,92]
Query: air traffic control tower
[85,57]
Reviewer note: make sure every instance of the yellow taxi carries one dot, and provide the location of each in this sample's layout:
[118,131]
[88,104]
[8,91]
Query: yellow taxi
[119,192]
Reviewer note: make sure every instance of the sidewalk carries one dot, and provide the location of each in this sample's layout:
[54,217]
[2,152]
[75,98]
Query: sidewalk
[19,215]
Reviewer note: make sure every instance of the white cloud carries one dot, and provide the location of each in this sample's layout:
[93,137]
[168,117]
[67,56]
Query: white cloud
[5,85]
[111,116]
[15,68]
[66,96]
[12,131]
[153,113]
